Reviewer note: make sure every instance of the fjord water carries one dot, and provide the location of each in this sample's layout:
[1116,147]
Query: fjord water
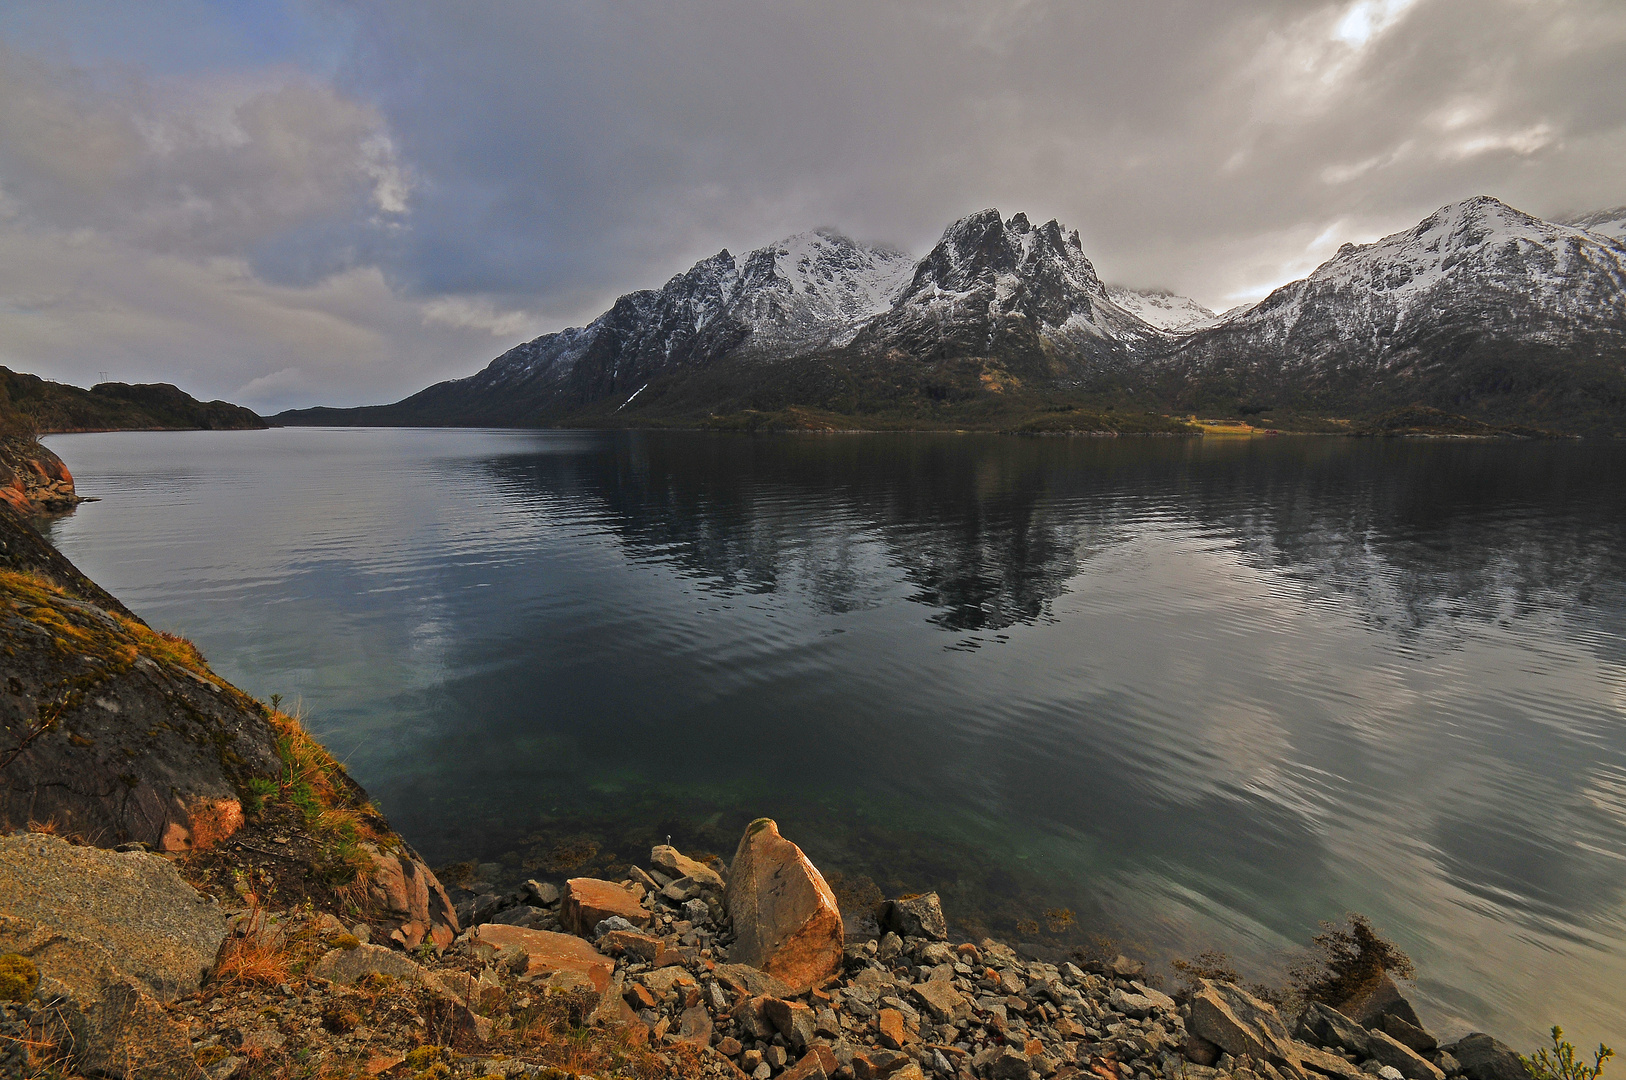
[1202,693]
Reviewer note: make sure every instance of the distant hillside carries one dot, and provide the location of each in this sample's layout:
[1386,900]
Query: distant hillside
[32,405]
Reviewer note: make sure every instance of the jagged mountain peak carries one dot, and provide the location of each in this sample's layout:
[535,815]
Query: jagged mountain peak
[995,285]
[982,245]
[1441,312]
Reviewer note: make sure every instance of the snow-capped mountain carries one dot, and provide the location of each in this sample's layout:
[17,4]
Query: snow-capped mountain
[1006,289]
[1610,223]
[1163,309]
[1477,296]
[805,293]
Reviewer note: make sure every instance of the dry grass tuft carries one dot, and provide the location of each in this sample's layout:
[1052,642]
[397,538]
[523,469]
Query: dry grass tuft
[331,803]
[253,960]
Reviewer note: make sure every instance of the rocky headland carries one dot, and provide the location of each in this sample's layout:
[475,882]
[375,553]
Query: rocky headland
[32,478]
[190,886]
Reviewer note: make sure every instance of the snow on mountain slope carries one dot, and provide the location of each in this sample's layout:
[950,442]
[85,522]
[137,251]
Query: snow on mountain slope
[816,288]
[1162,309]
[1610,223]
[849,281]
[804,293]
[1518,276]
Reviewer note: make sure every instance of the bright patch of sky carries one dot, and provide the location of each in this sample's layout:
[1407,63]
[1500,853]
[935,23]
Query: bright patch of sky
[1366,19]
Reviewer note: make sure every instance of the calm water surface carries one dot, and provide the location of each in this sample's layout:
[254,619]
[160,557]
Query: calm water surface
[1199,693]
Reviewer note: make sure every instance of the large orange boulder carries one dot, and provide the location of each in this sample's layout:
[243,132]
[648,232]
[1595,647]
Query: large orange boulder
[589,901]
[785,917]
[548,952]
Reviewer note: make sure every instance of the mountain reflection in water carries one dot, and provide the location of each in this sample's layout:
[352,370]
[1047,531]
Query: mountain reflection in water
[1201,693]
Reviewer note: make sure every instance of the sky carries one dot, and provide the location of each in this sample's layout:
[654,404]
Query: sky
[296,202]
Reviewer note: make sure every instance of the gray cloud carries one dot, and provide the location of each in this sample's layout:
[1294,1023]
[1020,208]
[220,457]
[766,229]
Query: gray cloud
[480,172]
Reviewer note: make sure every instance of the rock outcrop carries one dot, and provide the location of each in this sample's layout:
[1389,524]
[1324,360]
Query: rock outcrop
[109,730]
[403,888]
[113,733]
[784,916]
[32,478]
[1240,1024]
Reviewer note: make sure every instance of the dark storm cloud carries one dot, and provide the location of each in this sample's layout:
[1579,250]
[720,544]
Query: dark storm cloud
[1192,143]
[343,213]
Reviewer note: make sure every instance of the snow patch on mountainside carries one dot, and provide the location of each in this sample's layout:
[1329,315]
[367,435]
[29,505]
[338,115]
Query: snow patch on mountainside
[1610,223]
[1164,310]
[842,280]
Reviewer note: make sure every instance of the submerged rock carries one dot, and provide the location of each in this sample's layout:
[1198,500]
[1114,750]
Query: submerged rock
[784,915]
[1484,1058]
[917,916]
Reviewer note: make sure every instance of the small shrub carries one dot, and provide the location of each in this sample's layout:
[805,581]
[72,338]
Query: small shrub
[1560,1063]
[18,977]
[1352,959]
[259,790]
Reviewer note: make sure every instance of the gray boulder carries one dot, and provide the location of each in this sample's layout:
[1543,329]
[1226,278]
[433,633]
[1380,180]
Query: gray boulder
[154,926]
[1323,1026]
[1411,1064]
[1407,1034]
[115,1028]
[1484,1058]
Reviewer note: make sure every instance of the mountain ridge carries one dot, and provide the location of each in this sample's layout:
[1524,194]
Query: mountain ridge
[1479,310]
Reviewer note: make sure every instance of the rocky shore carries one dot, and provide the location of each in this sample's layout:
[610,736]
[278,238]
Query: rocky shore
[191,887]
